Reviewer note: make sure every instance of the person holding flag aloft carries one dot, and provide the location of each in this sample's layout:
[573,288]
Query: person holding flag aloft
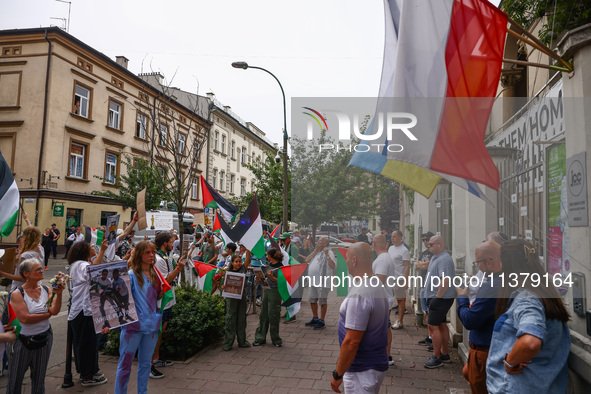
[146,289]
[236,309]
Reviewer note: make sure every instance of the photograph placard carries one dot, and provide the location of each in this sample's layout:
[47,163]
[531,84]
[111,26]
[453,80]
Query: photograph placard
[234,285]
[110,296]
[258,271]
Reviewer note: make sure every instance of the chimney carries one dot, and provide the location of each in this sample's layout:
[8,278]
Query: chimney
[227,108]
[210,96]
[122,61]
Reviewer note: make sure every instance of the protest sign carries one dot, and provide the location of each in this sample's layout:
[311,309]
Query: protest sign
[234,285]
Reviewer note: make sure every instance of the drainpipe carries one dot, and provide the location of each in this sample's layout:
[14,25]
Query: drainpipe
[43,129]
[211,106]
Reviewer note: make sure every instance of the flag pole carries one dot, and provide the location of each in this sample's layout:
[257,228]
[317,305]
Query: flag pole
[535,42]
[541,65]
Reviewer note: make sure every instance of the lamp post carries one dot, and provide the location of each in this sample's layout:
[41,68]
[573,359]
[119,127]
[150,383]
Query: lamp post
[244,66]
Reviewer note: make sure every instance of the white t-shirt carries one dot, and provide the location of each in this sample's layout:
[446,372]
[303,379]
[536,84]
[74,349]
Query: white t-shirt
[383,265]
[399,255]
[80,289]
[76,238]
[319,267]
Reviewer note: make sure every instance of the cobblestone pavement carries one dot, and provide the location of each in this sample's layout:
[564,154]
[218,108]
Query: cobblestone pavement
[303,365]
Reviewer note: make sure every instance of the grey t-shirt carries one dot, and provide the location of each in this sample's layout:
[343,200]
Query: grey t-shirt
[440,266]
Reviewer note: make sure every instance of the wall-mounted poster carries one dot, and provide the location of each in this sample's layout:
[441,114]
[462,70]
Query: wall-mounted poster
[110,296]
[558,240]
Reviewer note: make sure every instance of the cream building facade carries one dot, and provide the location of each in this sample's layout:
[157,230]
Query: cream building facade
[68,114]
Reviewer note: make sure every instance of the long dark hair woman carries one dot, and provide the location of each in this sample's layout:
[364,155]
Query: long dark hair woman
[531,340]
[271,304]
[80,315]
[142,335]
[33,346]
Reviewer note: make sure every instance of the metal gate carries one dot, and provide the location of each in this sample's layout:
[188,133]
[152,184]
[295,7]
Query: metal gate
[443,204]
[520,200]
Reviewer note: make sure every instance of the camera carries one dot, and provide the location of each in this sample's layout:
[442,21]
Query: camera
[278,158]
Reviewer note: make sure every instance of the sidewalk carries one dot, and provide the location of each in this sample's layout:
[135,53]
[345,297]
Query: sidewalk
[304,364]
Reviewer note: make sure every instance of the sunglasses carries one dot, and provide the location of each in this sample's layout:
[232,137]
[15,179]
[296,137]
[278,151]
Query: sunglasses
[431,244]
[425,239]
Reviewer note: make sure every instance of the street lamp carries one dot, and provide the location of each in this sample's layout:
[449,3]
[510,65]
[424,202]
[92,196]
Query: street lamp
[244,66]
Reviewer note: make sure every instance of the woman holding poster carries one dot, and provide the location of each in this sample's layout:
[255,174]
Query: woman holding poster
[236,308]
[84,340]
[142,335]
[271,305]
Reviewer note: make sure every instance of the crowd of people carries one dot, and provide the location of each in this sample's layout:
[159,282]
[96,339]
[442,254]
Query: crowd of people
[518,332]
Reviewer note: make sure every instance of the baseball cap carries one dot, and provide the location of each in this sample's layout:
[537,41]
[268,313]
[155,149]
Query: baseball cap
[285,236]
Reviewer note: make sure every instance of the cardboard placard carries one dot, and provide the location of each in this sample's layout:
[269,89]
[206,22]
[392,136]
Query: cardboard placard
[110,296]
[112,224]
[258,271]
[141,210]
[234,285]
[187,239]
[8,260]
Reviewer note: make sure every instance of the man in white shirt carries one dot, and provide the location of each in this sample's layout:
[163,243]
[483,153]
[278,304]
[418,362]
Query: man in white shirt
[401,258]
[322,261]
[383,268]
[77,236]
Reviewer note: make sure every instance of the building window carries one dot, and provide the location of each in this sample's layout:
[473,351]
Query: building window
[233,149]
[82,101]
[77,160]
[215,178]
[232,183]
[115,114]
[181,144]
[111,168]
[196,148]
[222,181]
[195,189]
[224,144]
[243,157]
[242,187]
[163,135]
[216,137]
[141,125]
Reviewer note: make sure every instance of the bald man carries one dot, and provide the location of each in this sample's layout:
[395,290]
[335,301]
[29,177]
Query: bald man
[440,297]
[480,317]
[363,328]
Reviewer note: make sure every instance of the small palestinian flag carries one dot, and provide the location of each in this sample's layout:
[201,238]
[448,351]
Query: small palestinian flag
[341,253]
[205,273]
[13,320]
[212,199]
[277,230]
[217,228]
[9,199]
[166,288]
[290,289]
[93,236]
[248,230]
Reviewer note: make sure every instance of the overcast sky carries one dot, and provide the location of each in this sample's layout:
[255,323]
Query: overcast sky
[320,48]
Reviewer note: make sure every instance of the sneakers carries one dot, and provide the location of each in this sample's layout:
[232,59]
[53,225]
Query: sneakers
[390,361]
[430,348]
[46,267]
[94,381]
[278,345]
[433,362]
[99,374]
[397,325]
[258,302]
[312,322]
[255,343]
[320,325]
[155,374]
[426,342]
[162,363]
[445,358]
[244,345]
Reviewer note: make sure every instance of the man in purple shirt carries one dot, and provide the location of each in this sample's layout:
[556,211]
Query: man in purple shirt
[363,327]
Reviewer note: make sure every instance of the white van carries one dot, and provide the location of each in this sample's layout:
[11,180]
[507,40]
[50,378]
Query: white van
[187,226]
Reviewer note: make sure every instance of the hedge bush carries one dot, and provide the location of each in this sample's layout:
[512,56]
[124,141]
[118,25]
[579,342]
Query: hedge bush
[198,319]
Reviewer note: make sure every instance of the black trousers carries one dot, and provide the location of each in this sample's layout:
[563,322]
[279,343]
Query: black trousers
[85,345]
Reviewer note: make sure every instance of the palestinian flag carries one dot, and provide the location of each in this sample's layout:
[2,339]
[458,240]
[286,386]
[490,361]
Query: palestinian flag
[166,288]
[9,199]
[290,289]
[217,229]
[342,272]
[277,230]
[205,273]
[13,320]
[93,236]
[212,199]
[248,230]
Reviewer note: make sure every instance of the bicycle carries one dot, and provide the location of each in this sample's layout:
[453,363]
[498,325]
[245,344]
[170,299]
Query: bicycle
[251,286]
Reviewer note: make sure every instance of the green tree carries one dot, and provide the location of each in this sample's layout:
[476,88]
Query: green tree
[138,174]
[268,188]
[558,16]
